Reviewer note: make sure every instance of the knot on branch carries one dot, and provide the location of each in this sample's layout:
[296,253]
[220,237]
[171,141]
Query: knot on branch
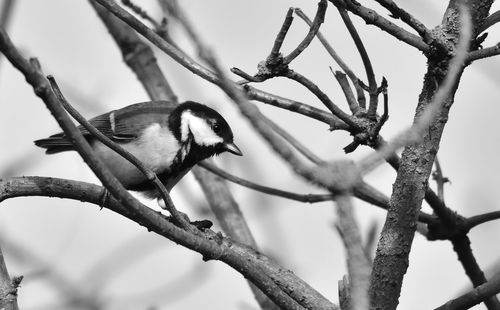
[272,66]
[441,230]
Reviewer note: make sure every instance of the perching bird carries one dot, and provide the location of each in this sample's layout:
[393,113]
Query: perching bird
[168,138]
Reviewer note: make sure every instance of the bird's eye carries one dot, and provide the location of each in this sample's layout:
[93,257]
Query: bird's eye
[216,127]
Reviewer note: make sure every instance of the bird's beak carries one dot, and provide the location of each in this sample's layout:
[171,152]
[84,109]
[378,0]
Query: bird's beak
[232,148]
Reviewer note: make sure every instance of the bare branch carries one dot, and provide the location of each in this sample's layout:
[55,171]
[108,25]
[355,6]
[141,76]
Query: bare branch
[309,198]
[357,262]
[440,179]
[474,221]
[278,42]
[6,13]
[355,80]
[491,20]
[372,17]
[295,106]
[415,132]
[391,260]
[142,13]
[407,18]
[8,287]
[372,83]
[475,296]
[323,97]
[346,88]
[318,20]
[253,265]
[484,53]
[461,245]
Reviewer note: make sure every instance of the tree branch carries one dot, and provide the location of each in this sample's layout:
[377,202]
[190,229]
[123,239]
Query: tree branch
[357,262]
[313,30]
[8,287]
[491,20]
[394,246]
[354,79]
[484,53]
[475,296]
[407,18]
[295,106]
[253,265]
[372,17]
[372,84]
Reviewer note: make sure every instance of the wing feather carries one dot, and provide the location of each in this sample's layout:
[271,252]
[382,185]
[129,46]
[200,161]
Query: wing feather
[121,125]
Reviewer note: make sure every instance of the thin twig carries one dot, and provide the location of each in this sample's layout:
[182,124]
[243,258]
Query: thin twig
[385,114]
[491,20]
[372,17]
[142,13]
[475,296]
[295,106]
[148,173]
[407,18]
[323,98]
[278,42]
[484,53]
[346,88]
[372,83]
[313,29]
[309,198]
[440,179]
[354,79]
[476,220]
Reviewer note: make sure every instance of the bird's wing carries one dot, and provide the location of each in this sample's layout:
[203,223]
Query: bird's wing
[121,125]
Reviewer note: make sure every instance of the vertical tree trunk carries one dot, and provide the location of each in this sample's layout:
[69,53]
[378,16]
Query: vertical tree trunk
[391,261]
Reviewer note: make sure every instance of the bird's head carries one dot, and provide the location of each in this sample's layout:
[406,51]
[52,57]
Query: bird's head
[207,129]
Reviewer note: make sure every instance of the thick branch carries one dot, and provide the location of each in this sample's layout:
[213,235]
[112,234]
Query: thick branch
[394,246]
[208,243]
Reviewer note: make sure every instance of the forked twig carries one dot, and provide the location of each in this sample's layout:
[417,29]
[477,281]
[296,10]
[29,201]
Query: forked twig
[313,30]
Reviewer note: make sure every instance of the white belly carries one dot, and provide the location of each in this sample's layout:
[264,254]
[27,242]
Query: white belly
[156,148]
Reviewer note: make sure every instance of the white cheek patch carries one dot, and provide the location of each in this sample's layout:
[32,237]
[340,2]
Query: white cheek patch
[201,130]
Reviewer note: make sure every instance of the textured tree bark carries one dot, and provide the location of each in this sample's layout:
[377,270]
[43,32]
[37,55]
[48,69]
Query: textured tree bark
[391,260]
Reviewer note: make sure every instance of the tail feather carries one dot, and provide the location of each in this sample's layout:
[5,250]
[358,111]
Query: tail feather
[55,144]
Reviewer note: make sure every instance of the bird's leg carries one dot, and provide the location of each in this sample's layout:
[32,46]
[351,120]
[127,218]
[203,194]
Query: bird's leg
[200,225]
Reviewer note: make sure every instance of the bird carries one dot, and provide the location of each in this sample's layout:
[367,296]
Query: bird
[168,138]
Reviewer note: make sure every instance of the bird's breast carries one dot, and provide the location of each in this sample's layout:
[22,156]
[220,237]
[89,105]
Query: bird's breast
[155,147]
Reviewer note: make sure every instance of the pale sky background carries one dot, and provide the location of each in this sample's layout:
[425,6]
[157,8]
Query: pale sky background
[105,255]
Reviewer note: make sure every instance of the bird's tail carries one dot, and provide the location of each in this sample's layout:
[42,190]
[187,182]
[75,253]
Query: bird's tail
[55,144]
